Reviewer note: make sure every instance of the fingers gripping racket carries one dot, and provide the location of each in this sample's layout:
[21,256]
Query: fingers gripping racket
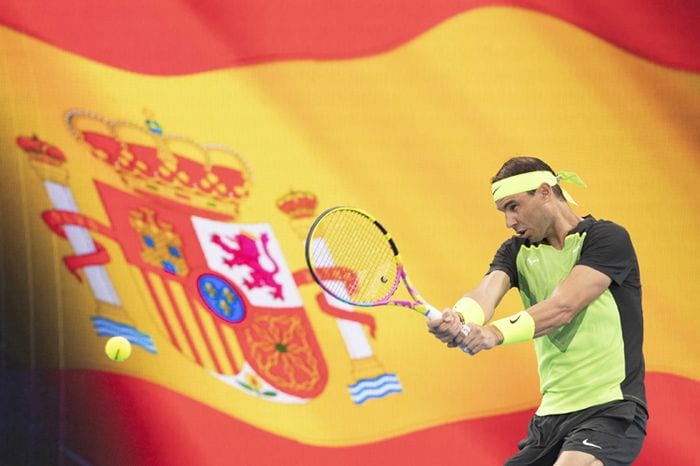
[354,259]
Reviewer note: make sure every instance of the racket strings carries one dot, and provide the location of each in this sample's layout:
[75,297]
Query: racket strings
[351,249]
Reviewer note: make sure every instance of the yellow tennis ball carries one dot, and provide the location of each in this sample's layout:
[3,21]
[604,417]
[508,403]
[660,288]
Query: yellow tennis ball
[118,349]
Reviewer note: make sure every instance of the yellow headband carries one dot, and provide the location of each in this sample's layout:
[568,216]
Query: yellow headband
[532,180]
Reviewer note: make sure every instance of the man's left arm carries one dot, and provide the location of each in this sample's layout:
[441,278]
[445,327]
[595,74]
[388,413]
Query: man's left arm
[582,286]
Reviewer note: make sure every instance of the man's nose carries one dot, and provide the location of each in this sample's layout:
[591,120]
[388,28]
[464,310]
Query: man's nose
[511,221]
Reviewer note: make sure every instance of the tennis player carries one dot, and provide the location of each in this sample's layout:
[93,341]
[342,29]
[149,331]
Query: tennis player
[578,278]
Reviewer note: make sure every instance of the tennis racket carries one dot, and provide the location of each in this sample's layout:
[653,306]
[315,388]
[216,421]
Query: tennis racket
[355,260]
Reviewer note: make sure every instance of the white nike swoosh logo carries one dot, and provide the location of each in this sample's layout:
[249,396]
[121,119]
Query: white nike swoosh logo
[589,444]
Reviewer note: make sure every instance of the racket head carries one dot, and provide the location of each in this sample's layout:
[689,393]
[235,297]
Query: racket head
[352,257]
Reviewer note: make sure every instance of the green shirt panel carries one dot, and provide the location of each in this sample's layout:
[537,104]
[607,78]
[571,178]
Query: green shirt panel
[582,363]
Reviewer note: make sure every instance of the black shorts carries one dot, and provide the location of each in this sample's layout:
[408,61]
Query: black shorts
[612,432]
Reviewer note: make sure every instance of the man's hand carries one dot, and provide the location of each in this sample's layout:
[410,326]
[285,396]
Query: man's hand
[482,338]
[447,329]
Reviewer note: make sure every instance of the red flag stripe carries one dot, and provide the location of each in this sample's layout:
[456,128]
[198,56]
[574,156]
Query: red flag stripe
[142,423]
[181,320]
[170,38]
[161,312]
[227,346]
[205,336]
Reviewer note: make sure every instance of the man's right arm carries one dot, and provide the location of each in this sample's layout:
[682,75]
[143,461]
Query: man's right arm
[487,294]
[490,292]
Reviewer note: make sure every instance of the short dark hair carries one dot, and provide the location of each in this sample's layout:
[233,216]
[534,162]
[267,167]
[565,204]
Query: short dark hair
[518,165]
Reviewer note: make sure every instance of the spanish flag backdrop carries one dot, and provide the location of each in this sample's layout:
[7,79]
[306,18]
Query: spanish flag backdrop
[163,160]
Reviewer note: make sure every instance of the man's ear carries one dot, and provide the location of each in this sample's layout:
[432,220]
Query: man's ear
[545,191]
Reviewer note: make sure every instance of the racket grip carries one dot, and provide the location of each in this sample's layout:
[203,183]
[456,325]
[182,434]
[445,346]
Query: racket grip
[433,314]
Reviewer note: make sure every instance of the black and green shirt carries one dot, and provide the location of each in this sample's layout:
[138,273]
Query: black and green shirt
[597,357]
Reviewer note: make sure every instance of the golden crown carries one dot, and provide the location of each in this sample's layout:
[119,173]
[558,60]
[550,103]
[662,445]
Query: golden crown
[298,204]
[45,159]
[41,151]
[172,167]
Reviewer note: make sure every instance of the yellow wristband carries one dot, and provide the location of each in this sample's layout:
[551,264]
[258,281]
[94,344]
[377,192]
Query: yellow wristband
[516,328]
[469,310]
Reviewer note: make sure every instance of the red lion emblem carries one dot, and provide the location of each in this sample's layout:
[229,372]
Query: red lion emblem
[247,254]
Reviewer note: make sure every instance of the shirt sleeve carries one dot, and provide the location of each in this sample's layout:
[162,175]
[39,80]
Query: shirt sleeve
[504,260]
[608,249]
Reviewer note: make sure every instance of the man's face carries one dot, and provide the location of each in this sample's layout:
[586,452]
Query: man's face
[525,214]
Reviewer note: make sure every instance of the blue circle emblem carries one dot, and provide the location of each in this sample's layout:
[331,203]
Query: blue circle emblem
[220,297]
